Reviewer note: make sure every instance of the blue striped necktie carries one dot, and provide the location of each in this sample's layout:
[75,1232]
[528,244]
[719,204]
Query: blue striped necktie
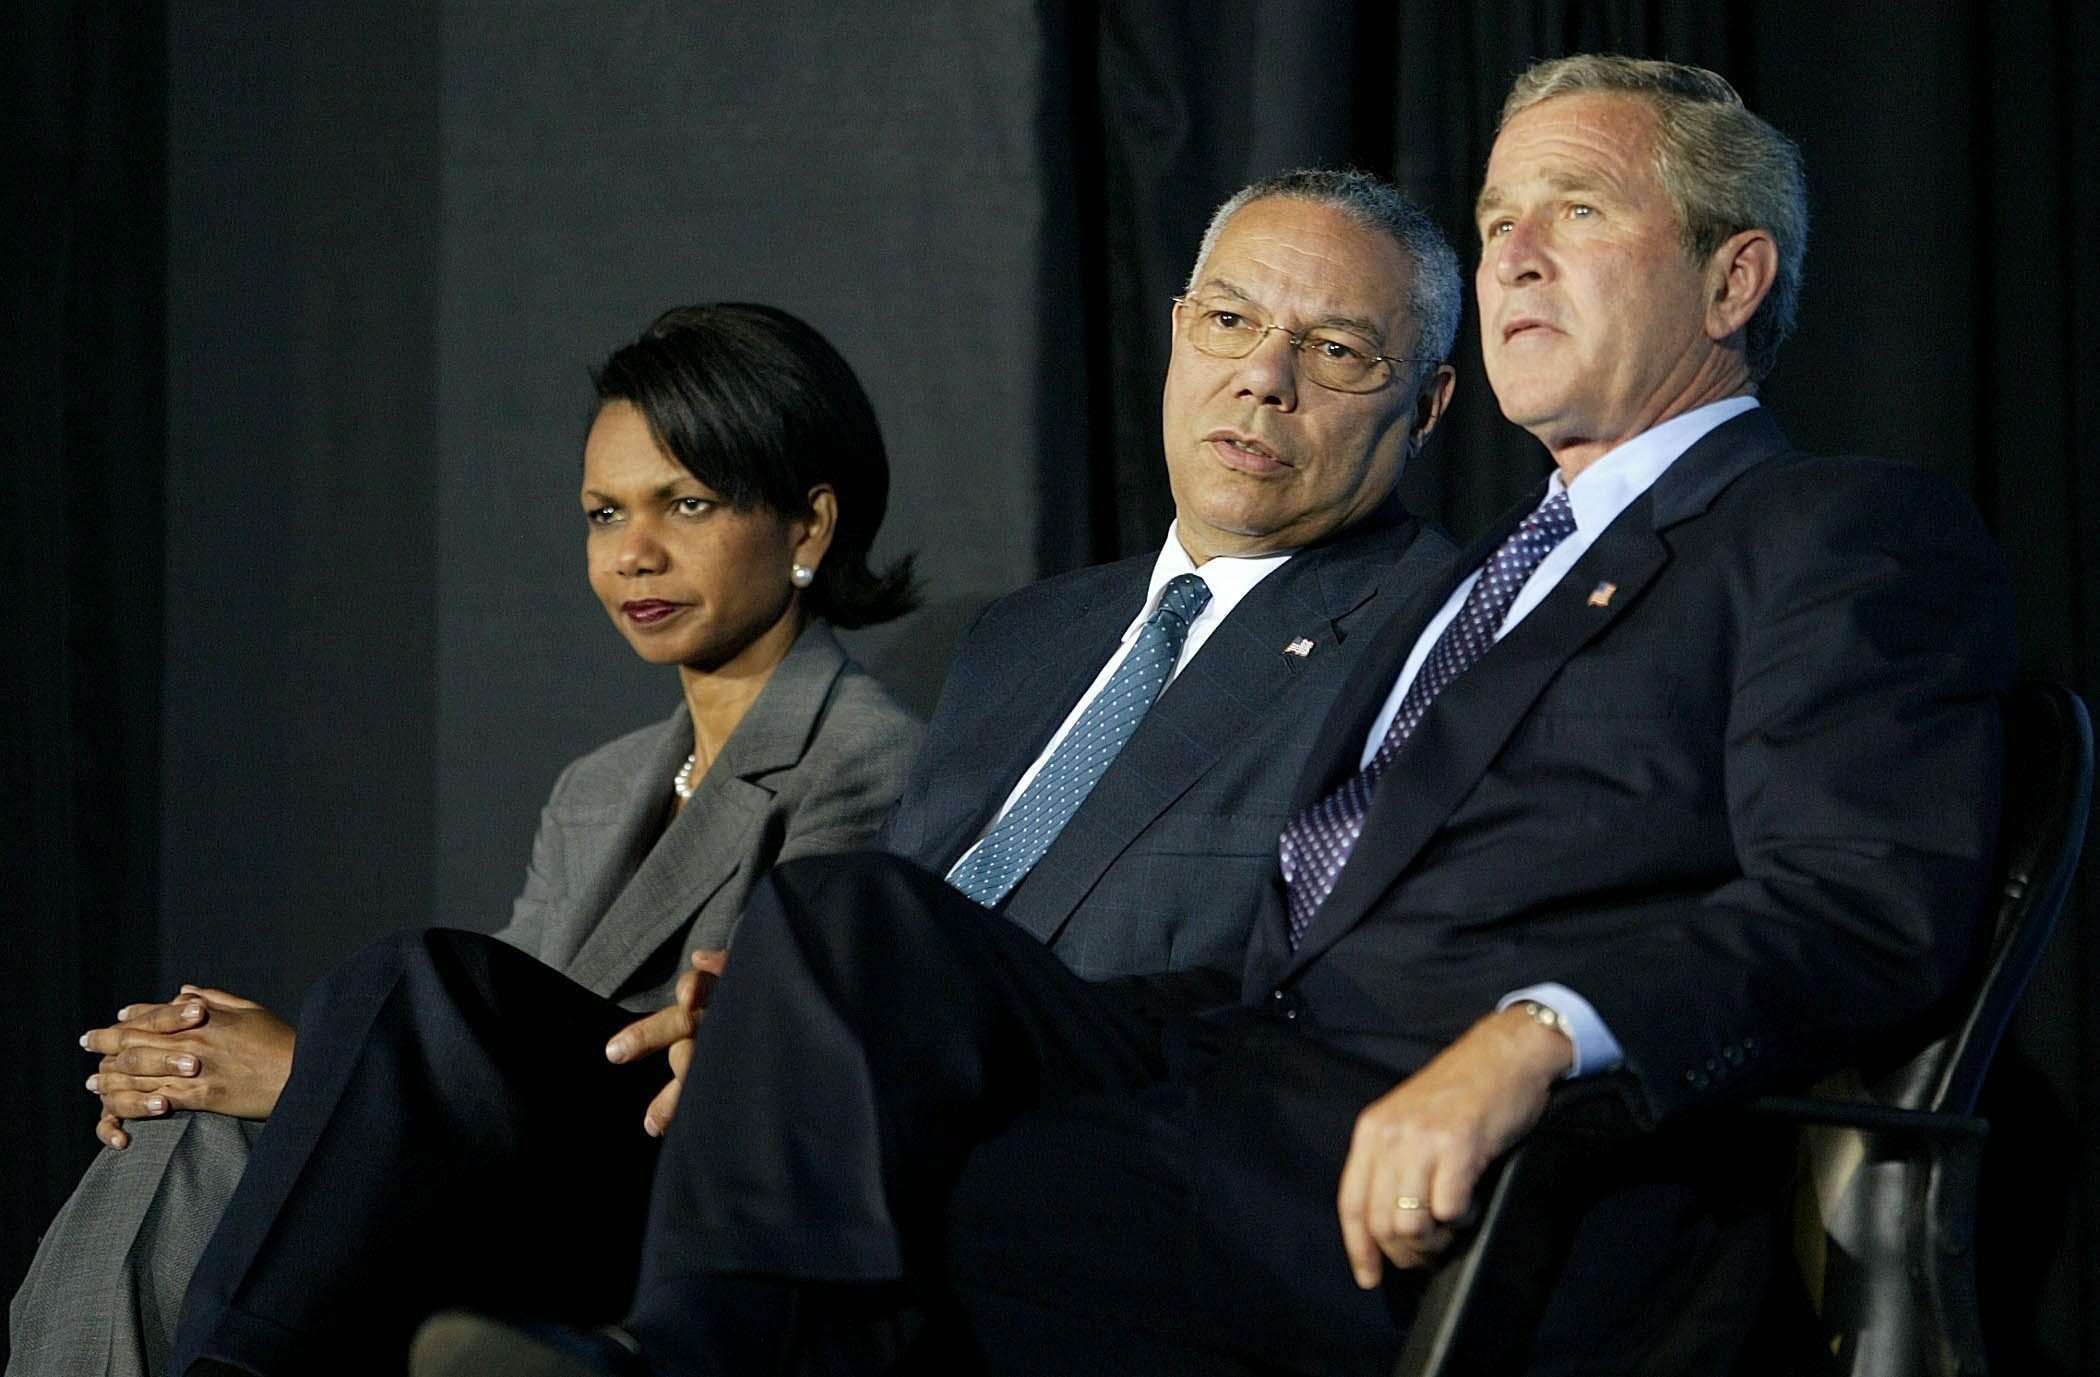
[1317,842]
[990,872]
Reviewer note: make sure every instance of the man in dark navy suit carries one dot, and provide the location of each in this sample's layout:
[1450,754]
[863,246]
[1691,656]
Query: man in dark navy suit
[1282,452]
[1308,366]
[1684,783]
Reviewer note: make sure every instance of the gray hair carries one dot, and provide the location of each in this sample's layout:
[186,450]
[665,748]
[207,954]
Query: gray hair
[1724,169]
[1377,205]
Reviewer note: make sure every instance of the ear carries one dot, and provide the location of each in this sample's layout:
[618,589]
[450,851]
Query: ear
[812,531]
[1738,276]
[1430,401]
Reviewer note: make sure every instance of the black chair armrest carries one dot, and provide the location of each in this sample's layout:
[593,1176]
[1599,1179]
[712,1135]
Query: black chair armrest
[1867,1117]
[1482,1306]
[1483,1303]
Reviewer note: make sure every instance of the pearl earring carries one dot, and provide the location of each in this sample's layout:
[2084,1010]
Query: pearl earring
[802,576]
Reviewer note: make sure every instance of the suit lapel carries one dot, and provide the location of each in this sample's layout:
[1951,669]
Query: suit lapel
[1341,741]
[1005,743]
[1241,674]
[1468,724]
[714,834]
[610,836]
[1470,720]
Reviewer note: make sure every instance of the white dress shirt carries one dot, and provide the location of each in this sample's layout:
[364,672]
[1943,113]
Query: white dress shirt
[1229,579]
[1596,497]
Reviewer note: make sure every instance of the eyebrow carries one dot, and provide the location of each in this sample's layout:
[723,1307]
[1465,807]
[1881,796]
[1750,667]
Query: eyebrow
[1495,198]
[662,490]
[1370,330]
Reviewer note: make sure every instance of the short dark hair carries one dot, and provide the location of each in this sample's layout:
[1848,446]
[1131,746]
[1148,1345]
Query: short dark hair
[759,407]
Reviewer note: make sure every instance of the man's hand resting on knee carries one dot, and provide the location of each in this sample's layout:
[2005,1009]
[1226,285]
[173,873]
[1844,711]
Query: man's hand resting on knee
[1418,1151]
[670,1030]
[204,1049]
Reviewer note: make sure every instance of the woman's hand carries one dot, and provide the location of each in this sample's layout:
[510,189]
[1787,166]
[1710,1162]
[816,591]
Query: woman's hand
[205,1049]
[670,1030]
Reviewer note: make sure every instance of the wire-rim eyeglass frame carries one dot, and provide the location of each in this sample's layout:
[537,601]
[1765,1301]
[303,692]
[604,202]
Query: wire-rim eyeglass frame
[1352,369]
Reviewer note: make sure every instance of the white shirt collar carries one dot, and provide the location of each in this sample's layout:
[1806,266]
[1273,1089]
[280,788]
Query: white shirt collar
[1603,490]
[1229,581]
[1229,578]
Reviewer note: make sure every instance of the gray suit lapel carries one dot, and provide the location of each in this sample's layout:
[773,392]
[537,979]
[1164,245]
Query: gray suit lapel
[609,837]
[715,833]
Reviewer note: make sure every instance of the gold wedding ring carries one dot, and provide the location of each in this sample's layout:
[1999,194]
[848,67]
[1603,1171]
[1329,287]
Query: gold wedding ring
[1407,1202]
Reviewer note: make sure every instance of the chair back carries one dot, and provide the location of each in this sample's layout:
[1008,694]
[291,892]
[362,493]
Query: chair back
[2048,793]
[1886,1213]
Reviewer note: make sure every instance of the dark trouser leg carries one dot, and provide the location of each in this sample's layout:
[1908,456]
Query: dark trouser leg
[1191,1229]
[1071,1247]
[872,1028]
[451,1135]
[1186,1229]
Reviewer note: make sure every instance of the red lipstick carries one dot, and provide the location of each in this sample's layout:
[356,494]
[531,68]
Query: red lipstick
[648,611]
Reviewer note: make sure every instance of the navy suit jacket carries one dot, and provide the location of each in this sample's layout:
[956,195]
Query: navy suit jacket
[1167,862]
[1735,781]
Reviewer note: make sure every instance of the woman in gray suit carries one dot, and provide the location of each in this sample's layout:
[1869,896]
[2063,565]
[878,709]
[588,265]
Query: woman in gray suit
[733,481]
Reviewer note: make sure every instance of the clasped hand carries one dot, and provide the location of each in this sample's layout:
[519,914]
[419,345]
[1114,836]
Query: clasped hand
[204,1049]
[1418,1151]
[670,1030]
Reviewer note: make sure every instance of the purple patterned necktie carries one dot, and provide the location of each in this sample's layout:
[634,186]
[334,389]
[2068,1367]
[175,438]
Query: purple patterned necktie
[1317,842]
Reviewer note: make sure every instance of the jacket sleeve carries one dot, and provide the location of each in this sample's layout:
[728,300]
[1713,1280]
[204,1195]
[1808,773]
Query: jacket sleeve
[1863,765]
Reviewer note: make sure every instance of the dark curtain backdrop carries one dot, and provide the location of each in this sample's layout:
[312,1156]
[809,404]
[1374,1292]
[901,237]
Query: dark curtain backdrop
[301,297]
[82,261]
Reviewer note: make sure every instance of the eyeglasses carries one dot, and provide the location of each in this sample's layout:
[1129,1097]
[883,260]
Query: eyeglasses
[1326,356]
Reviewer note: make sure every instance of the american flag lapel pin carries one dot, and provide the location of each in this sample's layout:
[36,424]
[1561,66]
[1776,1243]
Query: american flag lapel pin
[1300,648]
[1600,596]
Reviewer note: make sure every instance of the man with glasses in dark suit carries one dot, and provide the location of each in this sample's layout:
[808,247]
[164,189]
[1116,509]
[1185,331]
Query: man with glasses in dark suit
[1108,769]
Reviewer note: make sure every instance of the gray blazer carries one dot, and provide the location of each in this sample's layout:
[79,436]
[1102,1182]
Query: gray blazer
[813,767]
[609,899]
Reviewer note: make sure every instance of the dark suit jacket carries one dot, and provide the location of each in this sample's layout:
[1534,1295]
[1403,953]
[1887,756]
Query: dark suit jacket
[1166,863]
[1746,806]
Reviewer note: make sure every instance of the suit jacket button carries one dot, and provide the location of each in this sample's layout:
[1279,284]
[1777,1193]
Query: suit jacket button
[1286,1003]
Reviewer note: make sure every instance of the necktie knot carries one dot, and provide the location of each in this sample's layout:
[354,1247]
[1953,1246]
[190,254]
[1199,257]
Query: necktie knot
[1551,522]
[1185,596]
